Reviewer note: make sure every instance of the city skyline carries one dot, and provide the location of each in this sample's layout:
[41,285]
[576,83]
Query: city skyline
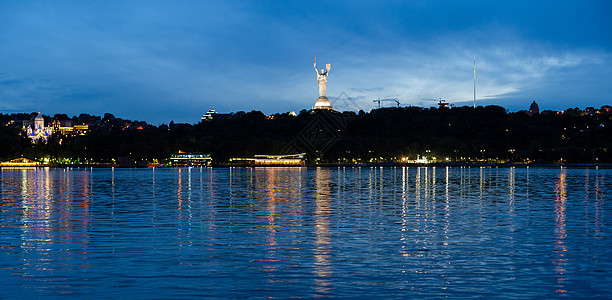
[162,62]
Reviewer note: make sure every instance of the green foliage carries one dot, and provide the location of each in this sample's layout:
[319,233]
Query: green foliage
[11,143]
[461,134]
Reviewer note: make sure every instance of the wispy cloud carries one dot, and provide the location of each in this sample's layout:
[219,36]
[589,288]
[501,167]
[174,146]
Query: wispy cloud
[438,71]
[163,62]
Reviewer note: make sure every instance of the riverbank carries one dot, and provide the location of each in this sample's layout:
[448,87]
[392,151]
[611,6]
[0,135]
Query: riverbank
[445,164]
[335,165]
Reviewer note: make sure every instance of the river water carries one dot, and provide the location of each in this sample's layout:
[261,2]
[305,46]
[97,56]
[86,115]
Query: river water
[393,232]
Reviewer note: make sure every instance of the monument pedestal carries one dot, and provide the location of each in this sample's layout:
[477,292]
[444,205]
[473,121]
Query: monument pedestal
[322,103]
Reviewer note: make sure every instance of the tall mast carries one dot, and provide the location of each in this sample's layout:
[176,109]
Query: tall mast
[474,82]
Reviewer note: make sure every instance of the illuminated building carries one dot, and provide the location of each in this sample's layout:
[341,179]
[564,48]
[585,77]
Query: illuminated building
[39,132]
[80,129]
[290,160]
[212,114]
[62,127]
[209,115]
[190,159]
[20,162]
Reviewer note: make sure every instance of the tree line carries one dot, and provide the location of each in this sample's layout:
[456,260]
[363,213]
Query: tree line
[388,134]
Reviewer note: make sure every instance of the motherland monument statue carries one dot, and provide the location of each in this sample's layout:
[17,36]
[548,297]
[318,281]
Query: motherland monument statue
[322,101]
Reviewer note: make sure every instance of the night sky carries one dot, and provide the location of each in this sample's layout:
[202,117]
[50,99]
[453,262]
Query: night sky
[173,60]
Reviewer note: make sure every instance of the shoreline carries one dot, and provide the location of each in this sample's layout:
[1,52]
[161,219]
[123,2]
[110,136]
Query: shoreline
[338,165]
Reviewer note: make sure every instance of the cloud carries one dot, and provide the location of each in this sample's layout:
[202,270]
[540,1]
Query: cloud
[437,70]
[165,62]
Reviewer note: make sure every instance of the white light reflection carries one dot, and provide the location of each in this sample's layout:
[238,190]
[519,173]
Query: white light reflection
[462,183]
[446,206]
[189,204]
[599,204]
[212,204]
[179,197]
[432,202]
[381,186]
[482,182]
[417,188]
[371,183]
[322,252]
[512,187]
[404,227]
[433,182]
[54,227]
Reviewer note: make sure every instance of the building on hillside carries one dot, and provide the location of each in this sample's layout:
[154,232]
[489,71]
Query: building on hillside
[213,114]
[38,132]
[209,115]
[590,110]
[190,160]
[534,109]
[62,127]
[81,129]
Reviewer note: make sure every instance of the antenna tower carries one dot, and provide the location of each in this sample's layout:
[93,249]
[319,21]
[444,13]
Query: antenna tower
[474,82]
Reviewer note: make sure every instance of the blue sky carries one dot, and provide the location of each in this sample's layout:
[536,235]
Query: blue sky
[159,61]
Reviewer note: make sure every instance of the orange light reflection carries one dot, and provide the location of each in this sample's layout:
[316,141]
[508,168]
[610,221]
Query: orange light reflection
[560,261]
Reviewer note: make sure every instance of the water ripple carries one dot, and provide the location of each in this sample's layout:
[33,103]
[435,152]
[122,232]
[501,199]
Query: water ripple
[397,232]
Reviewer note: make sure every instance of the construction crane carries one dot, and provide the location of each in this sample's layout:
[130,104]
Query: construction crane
[381,100]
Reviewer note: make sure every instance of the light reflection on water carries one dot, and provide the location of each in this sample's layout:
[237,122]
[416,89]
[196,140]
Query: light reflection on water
[560,261]
[295,232]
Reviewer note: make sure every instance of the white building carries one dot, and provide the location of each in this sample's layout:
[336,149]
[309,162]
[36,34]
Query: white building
[39,132]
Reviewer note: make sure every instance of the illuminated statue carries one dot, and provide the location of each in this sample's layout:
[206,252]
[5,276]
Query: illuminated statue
[322,101]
